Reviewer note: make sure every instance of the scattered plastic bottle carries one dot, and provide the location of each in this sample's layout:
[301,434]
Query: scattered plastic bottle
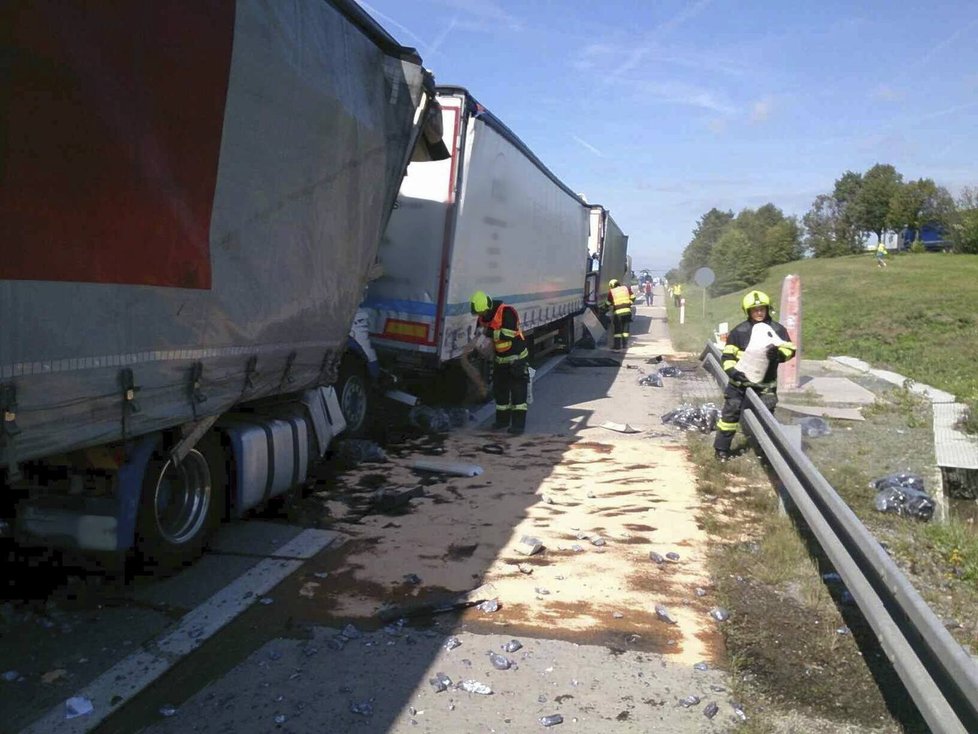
[474,686]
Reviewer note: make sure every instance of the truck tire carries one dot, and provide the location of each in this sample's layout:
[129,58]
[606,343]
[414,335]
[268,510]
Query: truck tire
[354,392]
[181,505]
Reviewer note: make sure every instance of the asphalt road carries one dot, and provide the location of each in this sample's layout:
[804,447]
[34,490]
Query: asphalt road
[274,653]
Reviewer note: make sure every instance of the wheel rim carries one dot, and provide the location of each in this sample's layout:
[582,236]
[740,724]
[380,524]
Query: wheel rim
[181,498]
[353,402]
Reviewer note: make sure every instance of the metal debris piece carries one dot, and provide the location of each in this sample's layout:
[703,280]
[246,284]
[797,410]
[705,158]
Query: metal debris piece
[350,632]
[452,642]
[672,556]
[167,710]
[688,701]
[542,591]
[598,541]
[720,614]
[280,718]
[439,466]
[656,558]
[552,720]
[699,591]
[617,615]
[512,646]
[620,427]
[412,579]
[577,548]
[10,676]
[701,667]
[500,662]
[525,568]
[711,710]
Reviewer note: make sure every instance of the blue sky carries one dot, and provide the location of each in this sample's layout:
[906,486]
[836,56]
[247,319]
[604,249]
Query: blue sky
[662,110]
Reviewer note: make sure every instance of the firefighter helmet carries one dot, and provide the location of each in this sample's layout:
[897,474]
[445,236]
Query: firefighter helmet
[479,303]
[754,299]
[613,283]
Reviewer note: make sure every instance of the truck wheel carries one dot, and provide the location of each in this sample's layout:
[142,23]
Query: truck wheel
[353,391]
[179,508]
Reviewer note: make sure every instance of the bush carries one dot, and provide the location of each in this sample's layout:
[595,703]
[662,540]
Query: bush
[918,247]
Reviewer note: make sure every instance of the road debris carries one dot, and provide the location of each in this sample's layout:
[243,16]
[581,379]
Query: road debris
[77,706]
[440,682]
[474,686]
[552,720]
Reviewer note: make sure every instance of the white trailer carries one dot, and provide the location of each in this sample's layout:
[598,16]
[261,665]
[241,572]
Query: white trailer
[491,218]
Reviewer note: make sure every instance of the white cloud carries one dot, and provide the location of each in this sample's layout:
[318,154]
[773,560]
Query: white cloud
[587,145]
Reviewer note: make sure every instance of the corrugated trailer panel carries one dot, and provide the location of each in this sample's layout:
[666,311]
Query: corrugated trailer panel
[514,231]
[211,194]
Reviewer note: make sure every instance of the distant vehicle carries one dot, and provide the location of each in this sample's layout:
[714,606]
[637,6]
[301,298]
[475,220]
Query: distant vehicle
[932,238]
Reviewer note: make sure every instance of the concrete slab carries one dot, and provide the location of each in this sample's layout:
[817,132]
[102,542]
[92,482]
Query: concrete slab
[836,390]
[852,363]
[952,448]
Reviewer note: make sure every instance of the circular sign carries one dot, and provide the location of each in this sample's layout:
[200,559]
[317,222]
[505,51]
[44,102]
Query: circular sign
[704,277]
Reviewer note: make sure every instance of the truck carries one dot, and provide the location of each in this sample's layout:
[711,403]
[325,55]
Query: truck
[492,217]
[608,255]
[191,201]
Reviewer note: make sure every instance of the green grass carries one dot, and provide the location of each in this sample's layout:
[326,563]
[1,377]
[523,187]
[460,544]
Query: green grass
[917,317]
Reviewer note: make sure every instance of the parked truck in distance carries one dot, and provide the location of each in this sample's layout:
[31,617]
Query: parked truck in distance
[190,204]
[491,217]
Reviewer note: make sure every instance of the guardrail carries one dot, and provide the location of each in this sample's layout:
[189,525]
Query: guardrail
[940,676]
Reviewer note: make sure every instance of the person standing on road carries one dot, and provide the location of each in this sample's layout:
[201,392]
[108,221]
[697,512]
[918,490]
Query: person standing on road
[510,369]
[881,255]
[677,295]
[757,308]
[620,300]
[648,292]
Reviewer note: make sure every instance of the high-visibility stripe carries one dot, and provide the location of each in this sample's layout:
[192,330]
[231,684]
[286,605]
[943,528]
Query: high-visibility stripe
[513,357]
[722,425]
[521,406]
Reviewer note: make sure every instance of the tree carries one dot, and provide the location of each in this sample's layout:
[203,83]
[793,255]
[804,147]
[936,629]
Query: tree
[870,209]
[781,242]
[708,230]
[736,262]
[920,202]
[828,231]
[963,228]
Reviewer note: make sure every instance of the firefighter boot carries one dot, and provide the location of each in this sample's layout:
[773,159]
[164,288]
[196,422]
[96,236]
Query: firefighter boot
[519,422]
[502,419]
[617,344]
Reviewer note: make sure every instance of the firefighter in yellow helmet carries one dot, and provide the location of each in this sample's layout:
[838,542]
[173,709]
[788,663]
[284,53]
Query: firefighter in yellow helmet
[620,299]
[760,332]
[510,370]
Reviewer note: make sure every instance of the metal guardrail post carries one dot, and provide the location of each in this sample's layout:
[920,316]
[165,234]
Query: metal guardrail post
[938,673]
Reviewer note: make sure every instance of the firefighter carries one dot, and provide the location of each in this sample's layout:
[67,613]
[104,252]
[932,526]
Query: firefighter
[510,371]
[620,300]
[757,308]
[677,295]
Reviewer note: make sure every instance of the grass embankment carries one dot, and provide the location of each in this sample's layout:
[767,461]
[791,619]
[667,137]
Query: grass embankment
[917,317]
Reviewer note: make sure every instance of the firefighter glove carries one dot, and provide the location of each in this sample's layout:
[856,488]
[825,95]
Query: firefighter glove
[773,353]
[738,376]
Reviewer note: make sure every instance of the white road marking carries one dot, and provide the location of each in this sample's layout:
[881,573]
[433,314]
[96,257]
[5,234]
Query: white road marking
[127,678]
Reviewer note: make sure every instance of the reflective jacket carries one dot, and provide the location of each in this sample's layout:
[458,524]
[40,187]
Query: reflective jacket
[507,337]
[737,341]
[621,299]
